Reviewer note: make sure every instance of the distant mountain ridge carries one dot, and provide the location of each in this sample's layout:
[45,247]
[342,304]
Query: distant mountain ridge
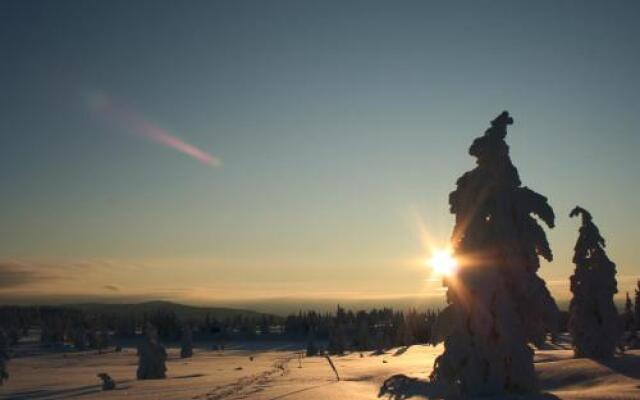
[182,311]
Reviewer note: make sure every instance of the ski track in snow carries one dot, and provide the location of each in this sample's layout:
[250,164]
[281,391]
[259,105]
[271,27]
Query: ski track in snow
[246,386]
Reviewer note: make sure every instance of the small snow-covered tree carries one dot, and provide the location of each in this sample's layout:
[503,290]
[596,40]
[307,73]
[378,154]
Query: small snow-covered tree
[80,338]
[151,356]
[186,346]
[337,339]
[593,317]
[363,336]
[265,326]
[4,357]
[403,335]
[636,307]
[627,317]
[92,338]
[497,304]
[633,340]
[312,348]
[103,339]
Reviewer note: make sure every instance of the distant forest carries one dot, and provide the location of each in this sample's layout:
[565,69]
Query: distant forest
[98,326]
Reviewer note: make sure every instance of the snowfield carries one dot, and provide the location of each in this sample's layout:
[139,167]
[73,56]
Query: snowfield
[273,374]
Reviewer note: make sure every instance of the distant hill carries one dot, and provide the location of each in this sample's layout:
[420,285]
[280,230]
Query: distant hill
[182,311]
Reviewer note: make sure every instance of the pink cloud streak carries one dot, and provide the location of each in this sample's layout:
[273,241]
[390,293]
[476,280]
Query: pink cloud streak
[140,126]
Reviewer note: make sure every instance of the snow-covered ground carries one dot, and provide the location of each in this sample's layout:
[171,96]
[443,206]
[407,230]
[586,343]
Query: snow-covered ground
[283,374]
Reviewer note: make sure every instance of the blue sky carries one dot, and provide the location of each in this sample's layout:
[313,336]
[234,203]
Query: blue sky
[340,126]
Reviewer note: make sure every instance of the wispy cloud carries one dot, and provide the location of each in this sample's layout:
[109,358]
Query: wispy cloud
[15,274]
[11,277]
[127,118]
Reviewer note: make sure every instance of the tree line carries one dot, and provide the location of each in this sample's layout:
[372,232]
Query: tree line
[336,331]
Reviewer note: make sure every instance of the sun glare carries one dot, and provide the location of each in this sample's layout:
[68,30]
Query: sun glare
[443,263]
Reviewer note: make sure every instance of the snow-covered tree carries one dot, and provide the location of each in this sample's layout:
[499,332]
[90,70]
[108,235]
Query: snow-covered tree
[403,336]
[337,339]
[103,339]
[627,317]
[363,336]
[186,346]
[497,304]
[593,317]
[92,338]
[4,357]
[312,348]
[636,307]
[151,356]
[633,340]
[80,338]
[265,326]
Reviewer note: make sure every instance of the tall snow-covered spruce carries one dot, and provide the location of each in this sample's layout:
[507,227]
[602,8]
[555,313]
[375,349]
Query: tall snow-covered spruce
[497,304]
[593,317]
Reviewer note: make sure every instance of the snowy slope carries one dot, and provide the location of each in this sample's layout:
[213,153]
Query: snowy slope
[281,375]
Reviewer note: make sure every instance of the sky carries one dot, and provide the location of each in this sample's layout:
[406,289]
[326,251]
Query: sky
[272,152]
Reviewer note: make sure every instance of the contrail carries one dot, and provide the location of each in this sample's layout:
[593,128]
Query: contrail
[137,124]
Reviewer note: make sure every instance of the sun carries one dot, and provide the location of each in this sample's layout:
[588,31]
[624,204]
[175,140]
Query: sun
[443,263]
